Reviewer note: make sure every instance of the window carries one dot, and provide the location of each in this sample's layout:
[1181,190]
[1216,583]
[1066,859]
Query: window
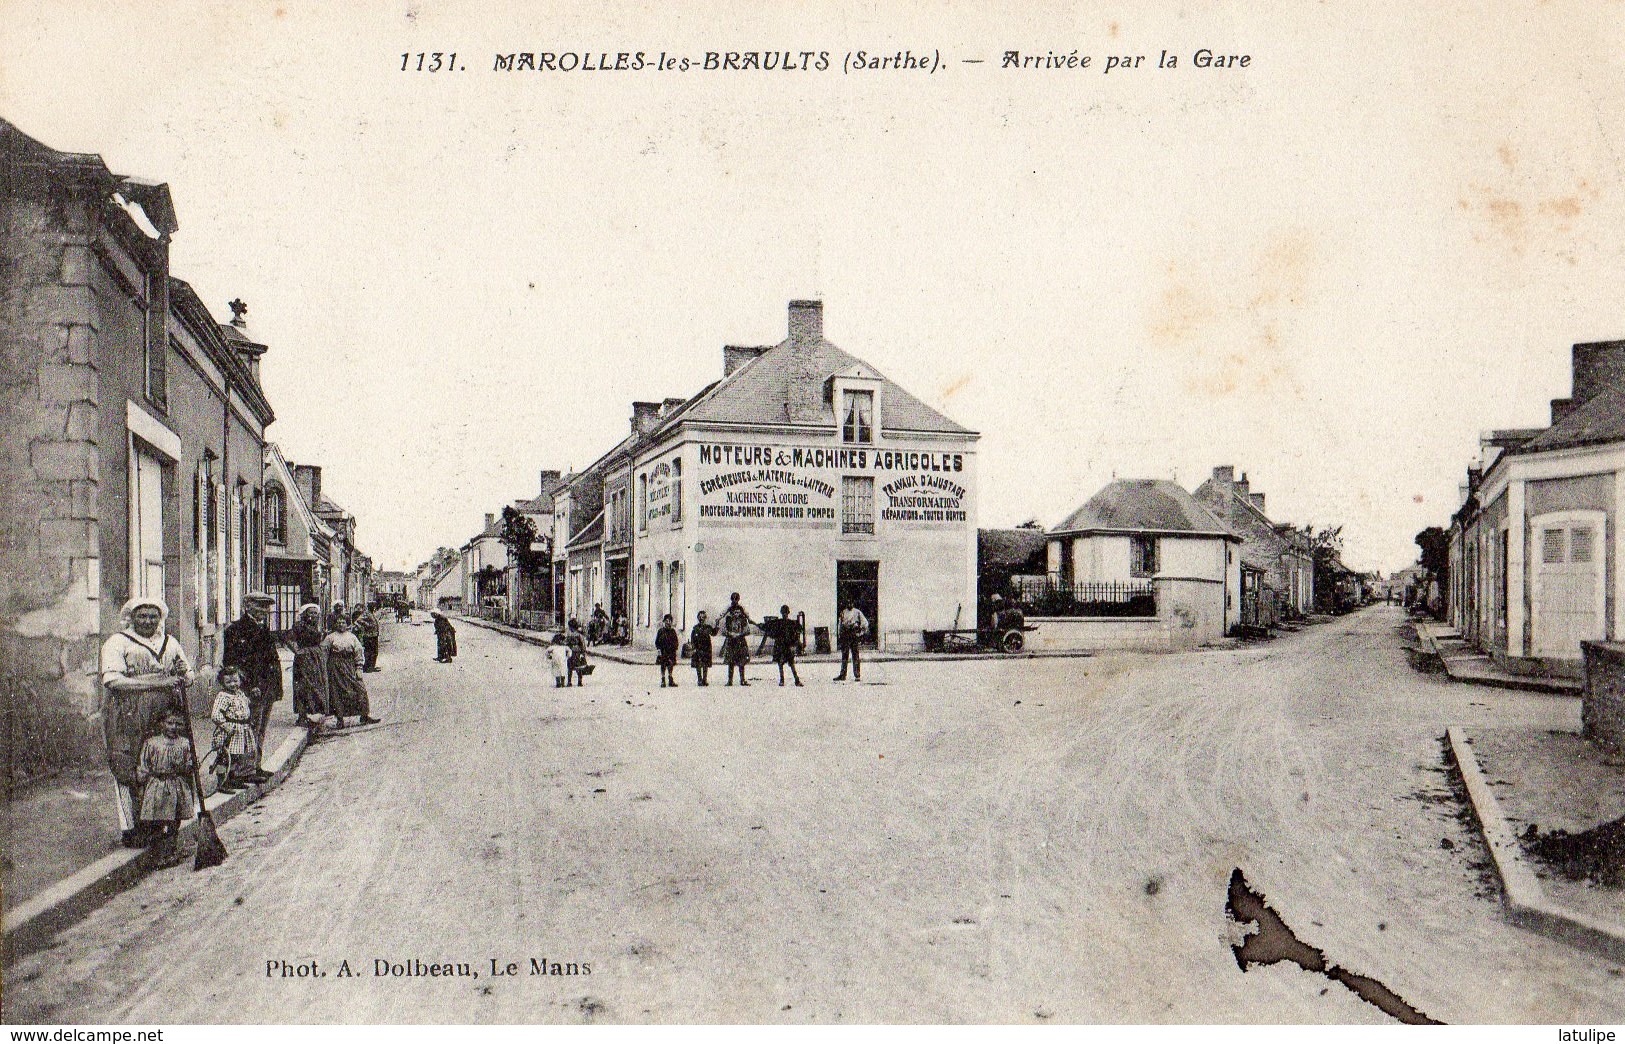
[1551,546]
[1580,544]
[676,490]
[276,515]
[857,416]
[643,503]
[857,504]
[1143,557]
[658,597]
[643,595]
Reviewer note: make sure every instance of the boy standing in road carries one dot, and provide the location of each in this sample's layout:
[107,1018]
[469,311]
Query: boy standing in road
[853,627]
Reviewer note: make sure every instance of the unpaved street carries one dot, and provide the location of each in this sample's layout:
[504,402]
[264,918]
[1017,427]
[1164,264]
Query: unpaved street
[988,841]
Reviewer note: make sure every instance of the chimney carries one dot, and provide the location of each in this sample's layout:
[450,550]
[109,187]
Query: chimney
[1241,486]
[247,348]
[806,322]
[1224,475]
[669,405]
[550,481]
[490,519]
[1561,408]
[645,417]
[1598,367]
[308,477]
[1258,501]
[734,356]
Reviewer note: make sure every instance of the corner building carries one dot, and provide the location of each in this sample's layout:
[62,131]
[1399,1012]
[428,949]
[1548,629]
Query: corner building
[805,477]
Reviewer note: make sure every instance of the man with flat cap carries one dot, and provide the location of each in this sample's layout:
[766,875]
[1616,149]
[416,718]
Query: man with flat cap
[251,647]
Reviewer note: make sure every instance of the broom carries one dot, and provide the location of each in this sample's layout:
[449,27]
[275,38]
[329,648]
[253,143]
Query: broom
[211,851]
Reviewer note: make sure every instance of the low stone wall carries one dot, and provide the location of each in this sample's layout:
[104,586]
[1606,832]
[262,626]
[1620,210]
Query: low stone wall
[1602,707]
[1090,633]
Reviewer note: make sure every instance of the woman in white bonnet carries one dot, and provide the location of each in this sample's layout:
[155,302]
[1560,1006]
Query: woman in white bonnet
[144,673]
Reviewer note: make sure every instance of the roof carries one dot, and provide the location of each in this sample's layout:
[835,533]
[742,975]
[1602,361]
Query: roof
[767,389]
[1144,506]
[151,197]
[1009,548]
[591,533]
[1602,419]
[538,505]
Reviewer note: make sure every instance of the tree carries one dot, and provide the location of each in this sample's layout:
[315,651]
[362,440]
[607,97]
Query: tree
[1435,558]
[530,551]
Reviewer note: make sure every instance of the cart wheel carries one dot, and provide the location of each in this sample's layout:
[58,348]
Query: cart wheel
[1013,641]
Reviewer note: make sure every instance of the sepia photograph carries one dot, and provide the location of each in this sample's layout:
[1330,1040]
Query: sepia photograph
[1159,466]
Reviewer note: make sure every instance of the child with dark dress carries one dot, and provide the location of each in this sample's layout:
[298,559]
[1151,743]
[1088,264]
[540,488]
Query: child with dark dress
[165,773]
[666,644]
[700,642]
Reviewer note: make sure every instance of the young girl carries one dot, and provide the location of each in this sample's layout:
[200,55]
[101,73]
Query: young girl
[666,644]
[700,639]
[577,645]
[236,748]
[165,773]
[558,658]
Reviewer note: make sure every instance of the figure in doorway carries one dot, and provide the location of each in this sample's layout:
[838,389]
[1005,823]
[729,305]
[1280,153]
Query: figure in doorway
[853,626]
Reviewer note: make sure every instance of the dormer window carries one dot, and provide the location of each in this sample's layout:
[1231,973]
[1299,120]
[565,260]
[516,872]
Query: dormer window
[857,416]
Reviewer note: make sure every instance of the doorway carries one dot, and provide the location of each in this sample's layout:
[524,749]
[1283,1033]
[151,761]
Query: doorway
[1568,598]
[858,583]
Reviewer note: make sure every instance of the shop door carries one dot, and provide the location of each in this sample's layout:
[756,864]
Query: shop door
[858,583]
[620,583]
[147,529]
[1567,603]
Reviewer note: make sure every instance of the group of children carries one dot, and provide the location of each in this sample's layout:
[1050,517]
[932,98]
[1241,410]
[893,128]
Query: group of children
[784,632]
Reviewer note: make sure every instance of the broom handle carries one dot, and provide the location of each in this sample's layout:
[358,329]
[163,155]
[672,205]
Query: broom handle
[197,778]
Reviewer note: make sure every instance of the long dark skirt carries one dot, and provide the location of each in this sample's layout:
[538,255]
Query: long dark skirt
[446,644]
[344,682]
[310,682]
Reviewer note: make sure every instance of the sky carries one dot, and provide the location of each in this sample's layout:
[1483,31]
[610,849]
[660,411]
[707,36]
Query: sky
[1331,269]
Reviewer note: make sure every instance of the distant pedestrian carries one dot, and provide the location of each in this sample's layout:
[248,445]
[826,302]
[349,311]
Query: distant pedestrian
[310,696]
[700,648]
[251,647]
[349,691]
[336,614]
[236,746]
[144,673]
[558,659]
[445,639]
[666,644]
[786,643]
[366,629]
[165,771]
[852,626]
[735,645]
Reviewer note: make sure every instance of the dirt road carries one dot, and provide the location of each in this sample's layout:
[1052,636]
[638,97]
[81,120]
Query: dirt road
[992,841]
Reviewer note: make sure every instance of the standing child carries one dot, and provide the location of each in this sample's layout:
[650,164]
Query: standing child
[577,644]
[666,644]
[165,773]
[558,658]
[786,643]
[700,640]
[236,748]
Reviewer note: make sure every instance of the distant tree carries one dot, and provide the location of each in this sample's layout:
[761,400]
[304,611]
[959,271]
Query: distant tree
[1031,523]
[1435,558]
[530,551]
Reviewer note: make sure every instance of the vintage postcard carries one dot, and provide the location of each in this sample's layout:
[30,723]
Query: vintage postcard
[1159,469]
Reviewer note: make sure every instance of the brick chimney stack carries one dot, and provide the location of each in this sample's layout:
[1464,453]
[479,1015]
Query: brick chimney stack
[1241,486]
[645,417]
[1258,501]
[1598,367]
[550,481]
[736,355]
[806,322]
[490,519]
[1224,475]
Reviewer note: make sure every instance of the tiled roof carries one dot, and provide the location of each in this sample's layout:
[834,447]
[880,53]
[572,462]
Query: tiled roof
[1144,505]
[541,505]
[767,389]
[1600,420]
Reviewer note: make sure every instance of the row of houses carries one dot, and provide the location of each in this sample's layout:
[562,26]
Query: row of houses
[1535,549]
[134,458]
[805,477]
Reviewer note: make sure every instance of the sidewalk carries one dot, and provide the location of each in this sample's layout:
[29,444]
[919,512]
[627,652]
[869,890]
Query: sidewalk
[1524,784]
[638,657]
[1461,663]
[59,826]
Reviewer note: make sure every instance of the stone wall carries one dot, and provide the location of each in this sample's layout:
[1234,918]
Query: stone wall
[49,467]
[1602,707]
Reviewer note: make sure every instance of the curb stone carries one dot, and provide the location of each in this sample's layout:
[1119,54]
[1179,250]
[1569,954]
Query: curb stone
[1526,903]
[31,925]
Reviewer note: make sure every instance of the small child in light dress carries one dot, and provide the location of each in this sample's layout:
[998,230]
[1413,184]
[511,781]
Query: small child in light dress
[165,773]
[558,658]
[236,748]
